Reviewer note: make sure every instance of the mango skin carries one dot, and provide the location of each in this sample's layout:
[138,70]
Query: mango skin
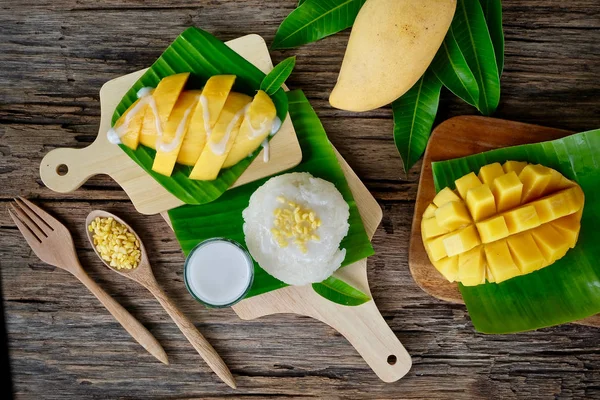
[391,45]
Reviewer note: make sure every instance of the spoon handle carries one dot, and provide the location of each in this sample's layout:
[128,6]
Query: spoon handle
[128,321]
[208,353]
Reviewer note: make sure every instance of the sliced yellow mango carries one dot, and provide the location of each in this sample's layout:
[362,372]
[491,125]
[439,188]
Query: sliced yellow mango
[481,203]
[430,211]
[514,166]
[472,266]
[129,125]
[551,243]
[255,128]
[569,227]
[221,140]
[452,215]
[465,183]
[448,267]
[168,146]
[521,219]
[497,237]
[210,105]
[500,261]
[489,172]
[431,228]
[535,179]
[445,195]
[159,108]
[526,253]
[507,190]
[492,229]
[460,241]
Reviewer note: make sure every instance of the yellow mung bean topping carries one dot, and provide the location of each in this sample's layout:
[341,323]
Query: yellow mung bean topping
[294,223]
[115,243]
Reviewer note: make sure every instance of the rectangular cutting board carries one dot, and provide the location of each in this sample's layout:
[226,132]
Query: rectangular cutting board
[147,195]
[454,138]
[363,326]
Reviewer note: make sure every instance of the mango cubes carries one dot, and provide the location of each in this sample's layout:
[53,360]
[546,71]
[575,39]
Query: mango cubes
[508,220]
[209,129]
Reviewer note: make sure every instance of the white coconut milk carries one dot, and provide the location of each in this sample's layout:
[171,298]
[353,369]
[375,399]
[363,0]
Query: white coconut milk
[218,272]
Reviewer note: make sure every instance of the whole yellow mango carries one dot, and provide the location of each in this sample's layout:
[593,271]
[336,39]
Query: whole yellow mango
[391,45]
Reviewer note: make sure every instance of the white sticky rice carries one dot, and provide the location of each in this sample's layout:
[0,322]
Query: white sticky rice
[289,264]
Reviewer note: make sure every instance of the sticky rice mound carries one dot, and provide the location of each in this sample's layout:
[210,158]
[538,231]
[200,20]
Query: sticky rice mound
[297,264]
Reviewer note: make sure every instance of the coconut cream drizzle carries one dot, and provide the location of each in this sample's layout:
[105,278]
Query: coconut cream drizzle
[205,115]
[219,148]
[173,144]
[114,135]
[267,149]
[276,126]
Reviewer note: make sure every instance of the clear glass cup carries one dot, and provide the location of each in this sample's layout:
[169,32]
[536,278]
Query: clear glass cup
[199,246]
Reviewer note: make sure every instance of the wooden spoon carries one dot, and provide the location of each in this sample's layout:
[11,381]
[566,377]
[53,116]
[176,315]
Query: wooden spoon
[144,276]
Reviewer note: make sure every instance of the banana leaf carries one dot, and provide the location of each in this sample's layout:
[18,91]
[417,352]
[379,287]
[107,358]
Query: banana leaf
[414,114]
[565,291]
[470,30]
[315,19]
[203,55]
[223,217]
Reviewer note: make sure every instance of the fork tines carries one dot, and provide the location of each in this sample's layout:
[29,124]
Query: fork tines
[33,222]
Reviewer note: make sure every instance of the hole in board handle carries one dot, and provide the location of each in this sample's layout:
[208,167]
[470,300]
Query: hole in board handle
[392,359]
[62,170]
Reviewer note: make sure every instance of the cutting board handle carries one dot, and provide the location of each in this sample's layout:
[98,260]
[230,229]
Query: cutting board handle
[366,330]
[363,326]
[65,170]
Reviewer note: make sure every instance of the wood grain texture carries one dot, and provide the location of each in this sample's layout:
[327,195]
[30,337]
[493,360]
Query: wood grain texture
[55,55]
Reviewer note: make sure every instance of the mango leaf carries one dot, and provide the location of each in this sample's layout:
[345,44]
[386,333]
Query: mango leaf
[471,32]
[315,19]
[414,114]
[492,9]
[452,70]
[300,2]
[223,217]
[273,81]
[203,55]
[340,292]
[565,291]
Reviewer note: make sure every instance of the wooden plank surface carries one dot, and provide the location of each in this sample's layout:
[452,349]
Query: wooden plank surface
[55,55]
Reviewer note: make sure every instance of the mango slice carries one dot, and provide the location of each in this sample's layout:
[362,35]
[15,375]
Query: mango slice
[175,130]
[256,127]
[214,95]
[506,221]
[159,108]
[221,140]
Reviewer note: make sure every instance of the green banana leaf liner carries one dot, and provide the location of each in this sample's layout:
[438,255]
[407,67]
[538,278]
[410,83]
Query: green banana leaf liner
[223,217]
[203,55]
[565,291]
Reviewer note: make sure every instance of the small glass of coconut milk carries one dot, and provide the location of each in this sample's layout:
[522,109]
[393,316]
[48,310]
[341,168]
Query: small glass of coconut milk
[218,272]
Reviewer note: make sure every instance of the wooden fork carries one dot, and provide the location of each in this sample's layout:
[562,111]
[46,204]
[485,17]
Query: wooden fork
[52,243]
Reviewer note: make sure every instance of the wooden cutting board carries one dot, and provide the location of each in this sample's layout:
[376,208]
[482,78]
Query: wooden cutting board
[147,195]
[460,137]
[363,325]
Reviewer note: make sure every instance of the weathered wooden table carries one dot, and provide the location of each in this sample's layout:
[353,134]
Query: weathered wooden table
[55,55]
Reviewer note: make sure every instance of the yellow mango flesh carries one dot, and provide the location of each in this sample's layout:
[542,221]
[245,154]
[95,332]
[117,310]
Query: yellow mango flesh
[214,95]
[129,125]
[391,45]
[164,98]
[174,133]
[505,236]
[255,128]
[224,133]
